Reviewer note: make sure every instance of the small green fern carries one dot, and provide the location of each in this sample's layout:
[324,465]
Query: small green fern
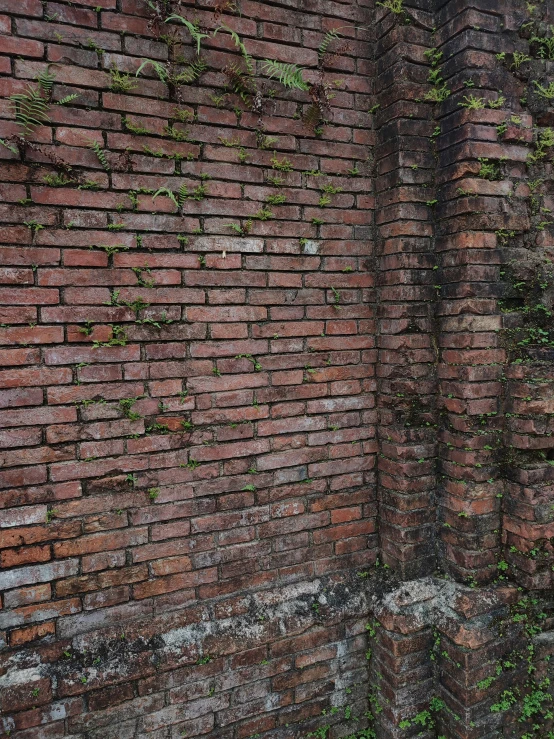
[183,194]
[327,39]
[67,99]
[165,72]
[159,68]
[248,61]
[192,72]
[168,194]
[178,198]
[289,75]
[193,29]
[97,149]
[121,81]
[395,6]
[46,80]
[31,106]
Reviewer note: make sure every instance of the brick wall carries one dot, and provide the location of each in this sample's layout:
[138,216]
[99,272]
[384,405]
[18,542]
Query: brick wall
[188,423]
[273,385]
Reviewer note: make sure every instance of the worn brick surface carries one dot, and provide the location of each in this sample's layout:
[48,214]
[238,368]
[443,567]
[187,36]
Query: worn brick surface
[187,414]
[311,391]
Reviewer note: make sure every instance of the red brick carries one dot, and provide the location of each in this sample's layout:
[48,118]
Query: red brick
[18,637]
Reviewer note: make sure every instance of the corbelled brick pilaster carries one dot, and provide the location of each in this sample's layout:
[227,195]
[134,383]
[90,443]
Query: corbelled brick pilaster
[406,367]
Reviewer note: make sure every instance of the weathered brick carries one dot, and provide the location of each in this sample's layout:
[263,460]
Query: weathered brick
[209,410]
[38,573]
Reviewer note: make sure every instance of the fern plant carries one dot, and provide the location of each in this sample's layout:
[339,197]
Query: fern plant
[329,37]
[545,92]
[241,75]
[168,72]
[168,194]
[181,195]
[57,180]
[169,75]
[191,72]
[193,29]
[31,106]
[472,102]
[160,69]
[248,61]
[289,75]
[544,142]
[545,44]
[97,149]
[67,99]
[120,81]
[395,6]
[239,83]
[292,77]
[437,94]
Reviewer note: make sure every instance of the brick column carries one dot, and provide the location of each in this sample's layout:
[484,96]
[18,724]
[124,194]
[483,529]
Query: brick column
[470,209]
[436,650]
[407,351]
[472,277]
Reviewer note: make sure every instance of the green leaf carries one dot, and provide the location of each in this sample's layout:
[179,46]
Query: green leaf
[168,193]
[191,72]
[241,47]
[193,29]
[97,149]
[11,147]
[30,108]
[67,99]
[324,45]
[289,75]
[46,80]
[159,68]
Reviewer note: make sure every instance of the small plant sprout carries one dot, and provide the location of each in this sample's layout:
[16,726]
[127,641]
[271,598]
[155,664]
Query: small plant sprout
[545,92]
[283,165]
[471,102]
[488,170]
[498,103]
[395,6]
[324,200]
[97,149]
[257,366]
[121,82]
[34,226]
[110,249]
